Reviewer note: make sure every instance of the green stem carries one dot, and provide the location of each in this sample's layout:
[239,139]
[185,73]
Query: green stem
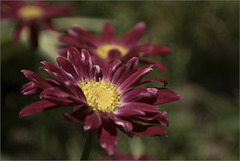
[87,146]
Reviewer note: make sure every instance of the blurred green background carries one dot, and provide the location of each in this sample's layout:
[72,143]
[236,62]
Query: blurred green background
[203,69]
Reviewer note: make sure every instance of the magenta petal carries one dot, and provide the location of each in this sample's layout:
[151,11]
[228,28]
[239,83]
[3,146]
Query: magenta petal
[153,50]
[80,115]
[145,95]
[165,96]
[134,35]
[108,140]
[124,125]
[153,80]
[132,80]
[108,34]
[72,41]
[39,81]
[47,25]
[37,107]
[92,122]
[150,130]
[158,65]
[110,69]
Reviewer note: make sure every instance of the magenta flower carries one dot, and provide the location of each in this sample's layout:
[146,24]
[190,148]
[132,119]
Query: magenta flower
[104,99]
[31,14]
[120,156]
[106,48]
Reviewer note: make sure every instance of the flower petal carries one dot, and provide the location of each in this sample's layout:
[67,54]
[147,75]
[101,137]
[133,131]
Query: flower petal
[92,122]
[36,79]
[165,96]
[158,65]
[153,80]
[132,80]
[108,139]
[108,34]
[150,130]
[144,95]
[78,116]
[134,35]
[37,107]
[154,50]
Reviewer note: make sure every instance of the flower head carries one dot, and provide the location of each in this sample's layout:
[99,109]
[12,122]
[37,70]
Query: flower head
[30,14]
[103,99]
[106,48]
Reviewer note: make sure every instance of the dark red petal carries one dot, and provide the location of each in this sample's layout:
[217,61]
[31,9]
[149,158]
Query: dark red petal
[39,81]
[114,54]
[110,69]
[137,108]
[71,41]
[37,107]
[108,140]
[132,80]
[57,11]
[134,35]
[154,50]
[80,115]
[92,122]
[150,130]
[68,67]
[125,71]
[124,125]
[145,95]
[88,37]
[108,34]
[158,65]
[152,80]
[165,96]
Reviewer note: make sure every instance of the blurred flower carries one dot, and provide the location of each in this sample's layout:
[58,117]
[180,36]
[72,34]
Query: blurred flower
[106,48]
[120,156]
[30,14]
[102,98]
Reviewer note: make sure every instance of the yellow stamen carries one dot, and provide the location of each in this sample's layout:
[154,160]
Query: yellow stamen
[102,95]
[30,12]
[103,50]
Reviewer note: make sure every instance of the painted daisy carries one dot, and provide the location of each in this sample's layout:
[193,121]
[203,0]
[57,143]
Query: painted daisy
[103,99]
[106,48]
[31,14]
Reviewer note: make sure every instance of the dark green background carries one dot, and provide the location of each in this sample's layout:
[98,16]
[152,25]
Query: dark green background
[203,69]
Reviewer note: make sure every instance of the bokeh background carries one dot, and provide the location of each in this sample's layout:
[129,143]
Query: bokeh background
[203,69]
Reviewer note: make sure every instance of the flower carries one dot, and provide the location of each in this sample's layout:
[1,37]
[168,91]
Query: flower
[104,99]
[120,156]
[106,48]
[30,15]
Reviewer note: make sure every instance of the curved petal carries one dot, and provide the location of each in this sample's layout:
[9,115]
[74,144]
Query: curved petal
[150,130]
[165,96]
[153,80]
[78,116]
[134,35]
[108,139]
[37,107]
[108,34]
[88,37]
[36,79]
[124,125]
[110,69]
[154,50]
[132,80]
[92,122]
[144,95]
[158,65]
[72,41]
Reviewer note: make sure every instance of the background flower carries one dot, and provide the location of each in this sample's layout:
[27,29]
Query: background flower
[31,15]
[106,48]
[104,98]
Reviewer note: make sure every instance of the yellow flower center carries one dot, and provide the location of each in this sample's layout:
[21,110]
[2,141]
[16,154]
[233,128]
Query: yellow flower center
[103,50]
[30,12]
[101,95]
